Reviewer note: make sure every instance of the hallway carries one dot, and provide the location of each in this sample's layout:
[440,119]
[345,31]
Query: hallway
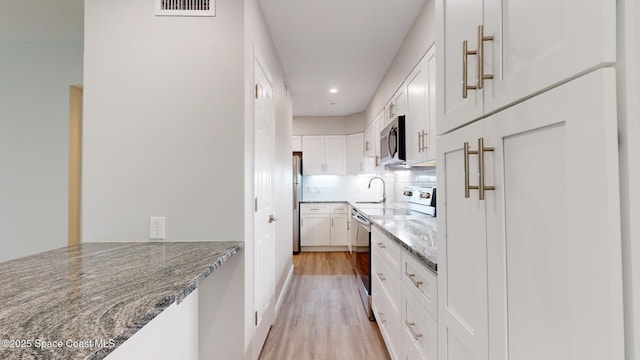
[322,316]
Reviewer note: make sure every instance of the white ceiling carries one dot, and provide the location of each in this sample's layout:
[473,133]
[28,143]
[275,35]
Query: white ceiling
[346,44]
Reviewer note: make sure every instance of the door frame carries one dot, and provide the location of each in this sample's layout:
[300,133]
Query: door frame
[75,164]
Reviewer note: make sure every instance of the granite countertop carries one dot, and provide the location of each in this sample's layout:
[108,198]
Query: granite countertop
[417,234]
[86,300]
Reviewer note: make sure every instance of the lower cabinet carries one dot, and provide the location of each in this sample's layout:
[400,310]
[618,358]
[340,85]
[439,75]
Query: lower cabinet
[323,224]
[404,296]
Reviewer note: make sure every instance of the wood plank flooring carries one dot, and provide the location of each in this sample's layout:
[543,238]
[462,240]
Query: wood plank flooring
[322,316]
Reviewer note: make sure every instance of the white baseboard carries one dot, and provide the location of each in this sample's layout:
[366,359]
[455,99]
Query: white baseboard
[285,289]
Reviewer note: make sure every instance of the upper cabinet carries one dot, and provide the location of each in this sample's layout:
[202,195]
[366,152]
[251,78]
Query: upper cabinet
[396,106]
[421,110]
[355,153]
[296,141]
[372,137]
[496,52]
[324,155]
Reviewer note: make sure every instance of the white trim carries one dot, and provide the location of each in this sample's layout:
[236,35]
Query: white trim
[284,291]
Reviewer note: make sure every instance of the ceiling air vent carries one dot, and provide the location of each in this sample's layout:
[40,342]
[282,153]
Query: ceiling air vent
[186,7]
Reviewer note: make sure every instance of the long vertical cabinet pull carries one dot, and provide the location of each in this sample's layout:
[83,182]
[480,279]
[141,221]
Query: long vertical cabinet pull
[481,187]
[481,39]
[467,187]
[480,63]
[465,54]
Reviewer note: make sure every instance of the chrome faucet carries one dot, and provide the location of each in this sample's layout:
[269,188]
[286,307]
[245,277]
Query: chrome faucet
[384,187]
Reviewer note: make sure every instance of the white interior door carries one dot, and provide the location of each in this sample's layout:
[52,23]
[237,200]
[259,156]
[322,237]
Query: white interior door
[264,254]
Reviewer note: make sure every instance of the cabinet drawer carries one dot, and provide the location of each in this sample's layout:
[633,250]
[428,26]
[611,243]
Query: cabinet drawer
[387,282]
[340,208]
[386,247]
[388,322]
[421,327]
[422,282]
[314,208]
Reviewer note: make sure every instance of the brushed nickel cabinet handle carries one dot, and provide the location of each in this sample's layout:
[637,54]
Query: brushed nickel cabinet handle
[381,277]
[410,325]
[465,54]
[481,187]
[467,187]
[481,39]
[381,317]
[413,280]
[381,245]
[481,183]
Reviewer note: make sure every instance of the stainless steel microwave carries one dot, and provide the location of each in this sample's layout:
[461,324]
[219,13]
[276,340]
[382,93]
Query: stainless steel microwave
[392,143]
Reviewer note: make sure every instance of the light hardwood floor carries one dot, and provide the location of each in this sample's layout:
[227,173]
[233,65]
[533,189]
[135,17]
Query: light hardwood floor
[322,316]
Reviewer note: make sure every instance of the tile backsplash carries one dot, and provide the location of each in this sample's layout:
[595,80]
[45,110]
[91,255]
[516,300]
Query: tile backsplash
[354,187]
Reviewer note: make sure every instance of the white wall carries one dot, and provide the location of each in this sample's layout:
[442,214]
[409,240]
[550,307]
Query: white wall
[34,143]
[420,37]
[629,126]
[163,123]
[329,125]
[257,36]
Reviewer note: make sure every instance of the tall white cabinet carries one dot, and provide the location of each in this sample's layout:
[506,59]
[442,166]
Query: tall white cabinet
[520,47]
[528,267]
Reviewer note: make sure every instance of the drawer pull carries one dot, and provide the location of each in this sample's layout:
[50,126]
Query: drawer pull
[381,277]
[381,245]
[314,209]
[410,326]
[412,277]
[381,317]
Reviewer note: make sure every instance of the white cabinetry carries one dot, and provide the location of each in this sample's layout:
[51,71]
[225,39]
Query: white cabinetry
[539,161]
[404,300]
[396,106]
[296,143]
[521,47]
[372,137]
[339,234]
[315,225]
[385,289]
[324,155]
[421,110]
[355,153]
[323,224]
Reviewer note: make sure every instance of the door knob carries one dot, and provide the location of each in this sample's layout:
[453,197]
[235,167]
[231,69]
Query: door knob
[272,218]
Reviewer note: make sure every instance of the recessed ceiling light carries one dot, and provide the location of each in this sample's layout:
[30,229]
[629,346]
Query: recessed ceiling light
[333,90]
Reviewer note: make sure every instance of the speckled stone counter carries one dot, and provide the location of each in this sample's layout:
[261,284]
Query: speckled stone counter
[417,234]
[84,301]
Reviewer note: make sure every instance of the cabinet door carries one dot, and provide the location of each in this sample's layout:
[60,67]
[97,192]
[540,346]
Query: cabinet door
[554,154]
[417,97]
[296,143]
[398,103]
[528,55]
[339,230]
[315,230]
[335,154]
[462,248]
[456,21]
[355,153]
[313,152]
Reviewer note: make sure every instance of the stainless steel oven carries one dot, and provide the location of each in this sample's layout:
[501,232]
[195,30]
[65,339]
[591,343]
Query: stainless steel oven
[361,258]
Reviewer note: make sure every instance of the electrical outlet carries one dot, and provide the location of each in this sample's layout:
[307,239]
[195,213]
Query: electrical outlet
[156,231]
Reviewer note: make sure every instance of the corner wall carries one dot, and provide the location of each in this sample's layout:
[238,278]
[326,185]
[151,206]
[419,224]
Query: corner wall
[34,143]
[163,123]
